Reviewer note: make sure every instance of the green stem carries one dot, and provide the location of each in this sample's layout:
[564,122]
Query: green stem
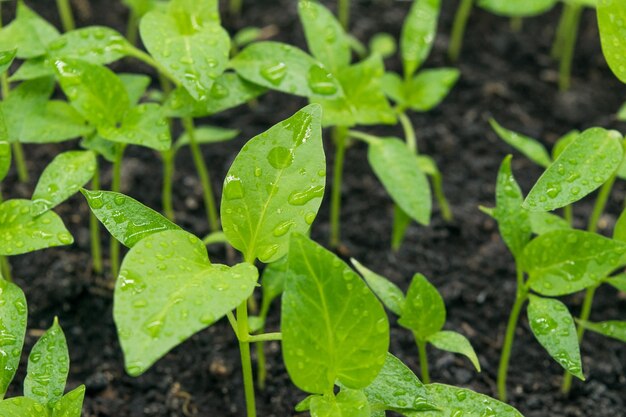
[168,177]
[5,268]
[568,214]
[444,206]
[503,369]
[94,228]
[574,13]
[132,27]
[340,134]
[600,204]
[458,29]
[409,132]
[246,361]
[203,173]
[421,347]
[261,365]
[343,11]
[115,187]
[362,136]
[561,33]
[67,18]
[584,316]
[236,7]
[20,161]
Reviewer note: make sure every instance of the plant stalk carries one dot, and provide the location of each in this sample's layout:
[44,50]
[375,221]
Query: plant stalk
[458,29]
[600,204]
[67,18]
[343,11]
[421,348]
[573,13]
[168,178]
[5,268]
[409,132]
[115,187]
[246,361]
[132,27]
[340,135]
[568,214]
[203,173]
[94,228]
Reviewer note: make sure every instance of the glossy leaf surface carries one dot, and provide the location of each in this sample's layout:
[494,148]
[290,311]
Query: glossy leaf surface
[619,231]
[424,311]
[517,8]
[529,147]
[429,87]
[275,187]
[135,85]
[22,407]
[456,343]
[13,316]
[71,404]
[456,402]
[418,34]
[29,33]
[160,303]
[542,222]
[614,329]
[6,59]
[334,328]
[611,18]
[388,292]
[95,44]
[25,102]
[144,125]
[57,122]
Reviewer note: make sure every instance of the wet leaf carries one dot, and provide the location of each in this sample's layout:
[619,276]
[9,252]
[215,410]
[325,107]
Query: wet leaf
[399,171]
[456,343]
[29,33]
[71,404]
[553,326]
[6,59]
[48,367]
[61,179]
[95,44]
[135,85]
[33,68]
[275,187]
[168,290]
[611,18]
[586,164]
[22,407]
[613,329]
[103,147]
[334,328]
[58,122]
[563,143]
[25,102]
[144,125]
[454,401]
[418,34]
[510,8]
[566,261]
[423,312]
[125,218]
[529,147]
[430,87]
[13,316]
[388,292]
[5,159]
[348,403]
[21,233]
[207,134]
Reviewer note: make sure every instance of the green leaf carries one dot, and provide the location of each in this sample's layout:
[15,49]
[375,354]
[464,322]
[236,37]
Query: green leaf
[28,33]
[21,233]
[455,401]
[566,261]
[401,222]
[95,91]
[95,44]
[6,59]
[618,282]
[456,343]
[563,142]
[22,407]
[61,179]
[192,13]
[144,125]
[33,68]
[168,290]
[513,221]
[194,52]
[348,403]
[399,170]
[418,34]
[613,329]
[13,316]
[325,37]
[48,367]
[103,147]
[393,86]
[611,17]
[125,218]
[275,187]
[542,222]
[428,88]
[25,102]
[5,159]
[286,68]
[619,232]
[334,328]
[273,283]
[518,8]
[529,147]
[207,134]
[553,326]
[56,123]
[71,404]
[388,292]
[424,311]
[396,388]
[586,164]
[135,85]
[141,7]
[384,45]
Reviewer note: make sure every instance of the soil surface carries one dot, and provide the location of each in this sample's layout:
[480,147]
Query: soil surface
[506,75]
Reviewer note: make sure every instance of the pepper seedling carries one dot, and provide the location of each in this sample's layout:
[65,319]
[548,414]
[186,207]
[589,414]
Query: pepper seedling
[421,311]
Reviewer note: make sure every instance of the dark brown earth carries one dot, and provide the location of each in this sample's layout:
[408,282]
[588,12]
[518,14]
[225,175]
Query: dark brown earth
[506,75]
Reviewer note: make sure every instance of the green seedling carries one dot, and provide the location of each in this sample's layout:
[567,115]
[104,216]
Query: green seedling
[48,364]
[421,311]
[613,40]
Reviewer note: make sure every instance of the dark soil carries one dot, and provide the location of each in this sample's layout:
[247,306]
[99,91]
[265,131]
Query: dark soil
[506,75]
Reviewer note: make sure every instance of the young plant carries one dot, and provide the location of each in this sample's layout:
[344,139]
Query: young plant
[48,364]
[421,311]
[613,40]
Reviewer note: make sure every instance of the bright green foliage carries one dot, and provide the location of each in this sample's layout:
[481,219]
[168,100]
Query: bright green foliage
[275,187]
[424,91]
[529,147]
[144,125]
[566,261]
[177,293]
[25,101]
[348,403]
[543,222]
[135,85]
[513,220]
[325,37]
[6,59]
[563,142]
[189,43]
[5,159]
[141,7]
[57,122]
[334,329]
[389,293]
[61,179]
[613,329]
[399,171]
[582,167]
[22,407]
[456,343]
[424,311]
[28,33]
[205,135]
[554,328]
[418,34]
[125,218]
[71,404]
[517,8]
[95,44]
[618,282]
[48,367]
[611,18]
[619,232]
[273,285]
[13,315]
[383,44]
[20,232]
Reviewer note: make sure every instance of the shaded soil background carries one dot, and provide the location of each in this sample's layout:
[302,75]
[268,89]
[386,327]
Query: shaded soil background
[505,75]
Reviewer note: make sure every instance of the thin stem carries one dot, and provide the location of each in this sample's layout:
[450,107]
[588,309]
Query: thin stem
[236,7]
[365,137]
[340,134]
[265,337]
[584,316]
[246,361]
[168,177]
[421,348]
[132,27]
[568,214]
[261,365]
[458,29]
[203,173]
[446,212]
[20,161]
[67,18]
[409,132]
[233,323]
[343,10]
[574,13]
[115,187]
[5,268]
[600,204]
[561,34]
[94,228]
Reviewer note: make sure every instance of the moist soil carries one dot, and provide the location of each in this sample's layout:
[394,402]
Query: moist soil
[507,75]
